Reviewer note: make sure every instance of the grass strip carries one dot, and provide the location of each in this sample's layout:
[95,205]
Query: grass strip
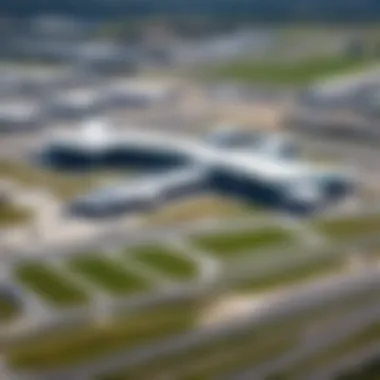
[166,261]
[106,274]
[233,245]
[93,341]
[304,272]
[351,228]
[49,285]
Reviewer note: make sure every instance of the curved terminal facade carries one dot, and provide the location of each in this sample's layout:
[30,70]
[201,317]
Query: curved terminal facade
[266,170]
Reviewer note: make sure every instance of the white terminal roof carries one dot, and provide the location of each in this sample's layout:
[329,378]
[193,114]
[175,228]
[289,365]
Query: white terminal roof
[264,166]
[97,138]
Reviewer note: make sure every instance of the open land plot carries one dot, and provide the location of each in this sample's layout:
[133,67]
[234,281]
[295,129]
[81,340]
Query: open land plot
[235,244]
[79,344]
[364,338]
[49,285]
[12,215]
[107,275]
[166,261]
[222,354]
[64,185]
[294,72]
[350,228]
[300,273]
[199,209]
[8,310]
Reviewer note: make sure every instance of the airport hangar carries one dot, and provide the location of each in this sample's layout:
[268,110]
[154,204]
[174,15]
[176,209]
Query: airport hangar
[258,168]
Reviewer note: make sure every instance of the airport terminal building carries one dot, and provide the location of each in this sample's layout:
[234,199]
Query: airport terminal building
[266,172]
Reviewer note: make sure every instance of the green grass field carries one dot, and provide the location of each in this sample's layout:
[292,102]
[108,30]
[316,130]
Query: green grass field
[217,356]
[12,215]
[165,261]
[8,310]
[309,271]
[298,72]
[63,185]
[108,275]
[351,228]
[92,341]
[49,285]
[234,245]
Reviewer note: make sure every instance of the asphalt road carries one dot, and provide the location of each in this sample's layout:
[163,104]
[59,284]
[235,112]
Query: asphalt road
[303,299]
[347,363]
[349,153]
[338,332]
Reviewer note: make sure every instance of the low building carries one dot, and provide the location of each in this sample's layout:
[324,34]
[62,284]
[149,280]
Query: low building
[106,57]
[20,115]
[97,146]
[137,93]
[234,138]
[283,184]
[74,103]
[265,174]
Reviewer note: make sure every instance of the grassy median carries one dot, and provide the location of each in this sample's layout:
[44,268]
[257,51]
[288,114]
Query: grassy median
[308,271]
[358,341]
[249,347]
[351,228]
[296,72]
[93,341]
[12,215]
[8,310]
[108,275]
[165,261]
[212,358]
[49,285]
[64,185]
[232,245]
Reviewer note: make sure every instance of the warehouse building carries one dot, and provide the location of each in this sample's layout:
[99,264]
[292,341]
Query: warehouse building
[262,174]
[9,84]
[34,82]
[18,115]
[74,103]
[278,183]
[138,93]
[235,138]
[106,57]
[97,146]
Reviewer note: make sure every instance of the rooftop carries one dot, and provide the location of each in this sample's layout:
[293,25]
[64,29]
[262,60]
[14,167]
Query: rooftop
[18,109]
[142,87]
[262,161]
[82,96]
